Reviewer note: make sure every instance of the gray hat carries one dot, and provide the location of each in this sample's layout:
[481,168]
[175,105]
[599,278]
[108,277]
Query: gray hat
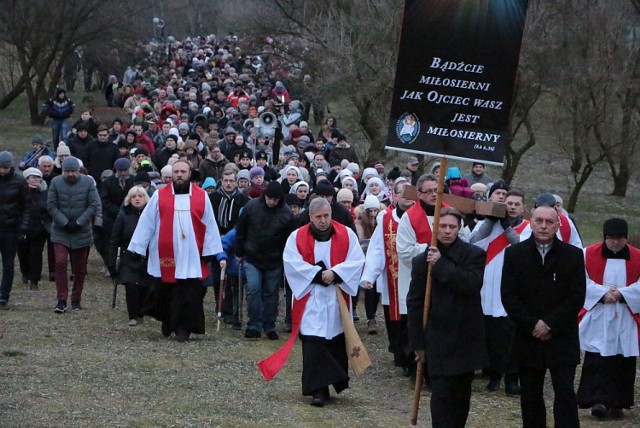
[122,164]
[6,159]
[412,160]
[32,171]
[243,173]
[71,164]
[545,200]
[37,140]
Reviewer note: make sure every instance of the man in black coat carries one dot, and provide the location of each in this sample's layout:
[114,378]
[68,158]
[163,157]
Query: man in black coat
[262,232]
[453,343]
[102,154]
[543,289]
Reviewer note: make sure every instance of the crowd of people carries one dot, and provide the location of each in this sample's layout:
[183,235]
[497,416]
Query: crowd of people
[215,177]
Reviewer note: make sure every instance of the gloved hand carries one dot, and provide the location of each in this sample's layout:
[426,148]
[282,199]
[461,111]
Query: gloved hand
[23,238]
[207,259]
[72,226]
[135,257]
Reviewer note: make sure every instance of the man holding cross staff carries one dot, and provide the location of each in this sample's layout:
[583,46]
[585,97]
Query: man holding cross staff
[450,335]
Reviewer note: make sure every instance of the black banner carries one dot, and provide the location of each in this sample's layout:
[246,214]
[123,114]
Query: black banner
[456,69]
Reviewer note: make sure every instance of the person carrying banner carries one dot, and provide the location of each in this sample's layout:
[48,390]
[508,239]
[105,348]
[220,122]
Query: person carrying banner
[543,289]
[180,231]
[319,257]
[610,323]
[494,235]
[381,268]
[453,342]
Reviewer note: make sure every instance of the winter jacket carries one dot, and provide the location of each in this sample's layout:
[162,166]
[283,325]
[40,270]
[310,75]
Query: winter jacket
[36,220]
[12,199]
[262,233]
[112,197]
[56,109]
[101,156]
[211,168]
[73,202]
[80,147]
[226,208]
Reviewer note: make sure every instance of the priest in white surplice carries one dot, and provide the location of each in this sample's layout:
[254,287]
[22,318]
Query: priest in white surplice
[609,323]
[318,258]
[179,230]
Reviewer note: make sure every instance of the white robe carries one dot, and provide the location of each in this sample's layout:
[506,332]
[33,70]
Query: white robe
[408,247]
[375,267]
[186,254]
[490,296]
[322,313]
[609,329]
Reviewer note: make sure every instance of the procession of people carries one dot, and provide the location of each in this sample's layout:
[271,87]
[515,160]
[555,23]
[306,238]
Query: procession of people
[190,187]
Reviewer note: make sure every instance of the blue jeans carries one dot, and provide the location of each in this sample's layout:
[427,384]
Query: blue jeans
[8,249]
[59,128]
[262,297]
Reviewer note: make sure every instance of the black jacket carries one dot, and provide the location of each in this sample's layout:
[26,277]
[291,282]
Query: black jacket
[36,220]
[112,196]
[454,338]
[262,233]
[132,267]
[12,195]
[552,291]
[80,148]
[101,156]
[231,212]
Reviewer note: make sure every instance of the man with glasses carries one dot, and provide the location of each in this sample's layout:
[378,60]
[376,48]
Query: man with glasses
[102,155]
[414,233]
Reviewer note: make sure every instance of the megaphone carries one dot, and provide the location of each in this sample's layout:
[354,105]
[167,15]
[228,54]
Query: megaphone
[267,122]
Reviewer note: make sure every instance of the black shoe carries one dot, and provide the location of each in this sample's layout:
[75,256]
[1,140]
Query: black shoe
[355,316]
[599,411]
[494,384]
[236,326]
[33,286]
[61,307]
[52,277]
[272,335]
[512,389]
[75,306]
[287,328]
[166,329]
[25,280]
[372,327]
[252,334]
[320,398]
[614,413]
[3,305]
[183,335]
[406,371]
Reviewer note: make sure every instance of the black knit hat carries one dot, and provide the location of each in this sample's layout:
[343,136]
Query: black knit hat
[274,190]
[500,184]
[324,188]
[615,227]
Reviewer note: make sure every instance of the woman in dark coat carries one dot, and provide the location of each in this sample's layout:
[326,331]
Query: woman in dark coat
[35,227]
[132,270]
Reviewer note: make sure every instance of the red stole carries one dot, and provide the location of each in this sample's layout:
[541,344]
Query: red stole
[420,223]
[596,264]
[305,243]
[501,242]
[389,233]
[166,201]
[565,228]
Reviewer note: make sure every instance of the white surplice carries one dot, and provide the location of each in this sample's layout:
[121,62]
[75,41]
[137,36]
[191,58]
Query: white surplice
[185,248]
[322,314]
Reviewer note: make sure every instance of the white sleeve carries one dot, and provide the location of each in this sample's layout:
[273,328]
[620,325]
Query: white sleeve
[212,242]
[375,259]
[631,295]
[406,242]
[146,228]
[299,273]
[351,269]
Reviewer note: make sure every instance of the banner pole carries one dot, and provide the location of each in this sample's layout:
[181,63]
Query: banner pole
[427,295]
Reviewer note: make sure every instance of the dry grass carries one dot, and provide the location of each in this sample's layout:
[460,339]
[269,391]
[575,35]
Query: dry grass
[90,369]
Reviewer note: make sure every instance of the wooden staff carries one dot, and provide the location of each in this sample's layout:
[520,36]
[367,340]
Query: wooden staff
[427,294]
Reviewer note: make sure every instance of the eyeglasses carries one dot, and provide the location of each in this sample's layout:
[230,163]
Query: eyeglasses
[429,191]
[103,135]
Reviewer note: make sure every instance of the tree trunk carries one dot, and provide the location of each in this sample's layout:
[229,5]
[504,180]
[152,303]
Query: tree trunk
[13,93]
[580,182]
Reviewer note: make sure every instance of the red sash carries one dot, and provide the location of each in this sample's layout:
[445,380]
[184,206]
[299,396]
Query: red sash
[420,223]
[305,243]
[565,228]
[501,242]
[596,264]
[166,209]
[389,233]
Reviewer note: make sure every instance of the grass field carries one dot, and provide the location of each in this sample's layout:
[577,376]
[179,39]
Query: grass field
[89,369]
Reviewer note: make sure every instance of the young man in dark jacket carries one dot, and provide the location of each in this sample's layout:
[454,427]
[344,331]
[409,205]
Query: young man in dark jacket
[11,206]
[262,232]
[59,109]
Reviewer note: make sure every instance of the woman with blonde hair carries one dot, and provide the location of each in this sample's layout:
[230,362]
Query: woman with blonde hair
[132,269]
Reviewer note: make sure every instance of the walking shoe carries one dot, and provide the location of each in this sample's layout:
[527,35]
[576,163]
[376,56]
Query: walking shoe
[34,286]
[372,327]
[287,328]
[52,277]
[494,384]
[182,335]
[614,413]
[236,326]
[166,329]
[76,306]
[355,316]
[132,323]
[320,397]
[252,334]
[272,335]
[3,305]
[25,280]
[61,307]
[512,388]
[599,411]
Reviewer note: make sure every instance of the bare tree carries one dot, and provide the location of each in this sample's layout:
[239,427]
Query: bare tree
[45,34]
